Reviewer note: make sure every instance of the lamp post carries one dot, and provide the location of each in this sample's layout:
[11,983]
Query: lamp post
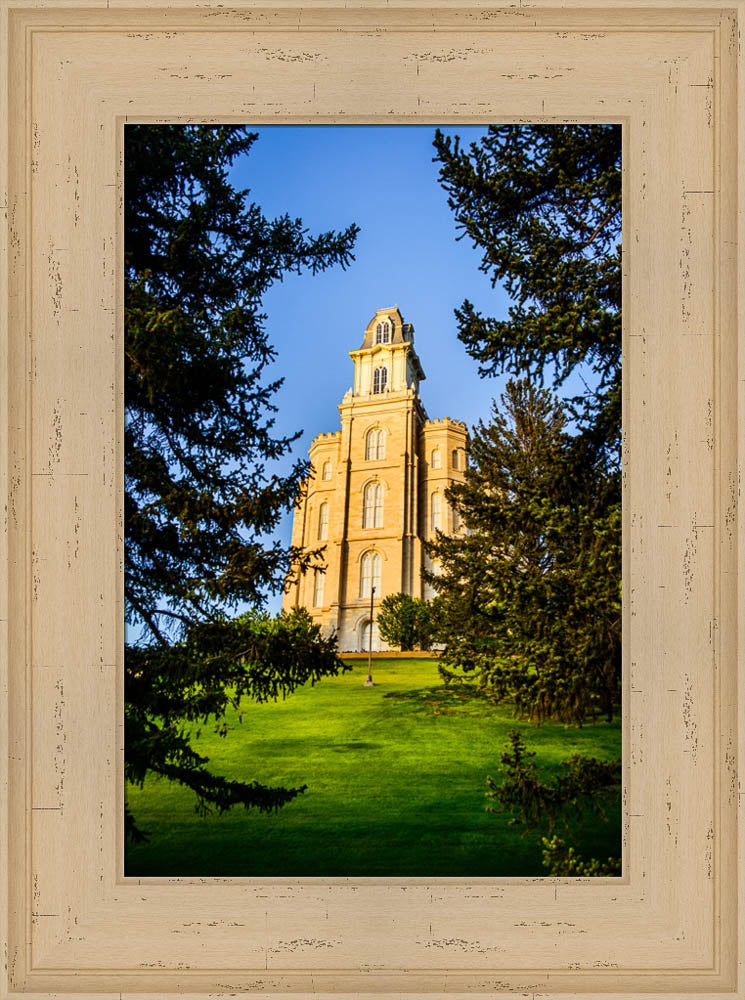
[368,679]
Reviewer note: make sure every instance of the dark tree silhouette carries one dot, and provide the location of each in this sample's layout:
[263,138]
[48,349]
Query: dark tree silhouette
[201,499]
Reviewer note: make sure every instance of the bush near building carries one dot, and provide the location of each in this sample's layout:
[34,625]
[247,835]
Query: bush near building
[406,622]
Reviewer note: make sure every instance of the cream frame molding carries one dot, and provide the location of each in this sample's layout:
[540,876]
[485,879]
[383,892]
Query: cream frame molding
[671,926]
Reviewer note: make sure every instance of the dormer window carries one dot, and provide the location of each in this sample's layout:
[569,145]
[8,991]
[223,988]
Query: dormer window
[380,379]
[383,333]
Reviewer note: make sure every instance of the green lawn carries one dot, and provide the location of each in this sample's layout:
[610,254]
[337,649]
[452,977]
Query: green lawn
[396,781]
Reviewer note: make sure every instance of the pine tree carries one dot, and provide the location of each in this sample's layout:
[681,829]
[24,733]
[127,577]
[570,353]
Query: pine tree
[529,593]
[530,596]
[543,205]
[582,785]
[201,499]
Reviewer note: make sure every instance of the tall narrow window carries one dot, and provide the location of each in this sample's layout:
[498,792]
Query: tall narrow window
[456,521]
[370,574]
[455,458]
[327,470]
[366,575]
[436,519]
[323,522]
[436,459]
[380,379]
[318,582]
[372,506]
[368,641]
[375,444]
[379,333]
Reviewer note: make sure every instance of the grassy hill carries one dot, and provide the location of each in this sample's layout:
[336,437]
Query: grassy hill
[396,785]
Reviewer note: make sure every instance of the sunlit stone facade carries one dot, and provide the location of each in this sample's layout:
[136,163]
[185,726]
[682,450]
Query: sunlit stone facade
[377,490]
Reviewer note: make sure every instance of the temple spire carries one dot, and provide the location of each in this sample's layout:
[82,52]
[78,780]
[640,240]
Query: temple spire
[386,362]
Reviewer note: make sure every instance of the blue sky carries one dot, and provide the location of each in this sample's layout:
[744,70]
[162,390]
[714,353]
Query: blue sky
[382,178]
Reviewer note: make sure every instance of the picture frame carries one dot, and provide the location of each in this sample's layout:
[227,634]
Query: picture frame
[75,72]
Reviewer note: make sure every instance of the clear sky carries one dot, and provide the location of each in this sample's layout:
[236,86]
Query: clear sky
[382,178]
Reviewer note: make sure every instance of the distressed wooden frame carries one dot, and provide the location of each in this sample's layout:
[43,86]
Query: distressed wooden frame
[669,71]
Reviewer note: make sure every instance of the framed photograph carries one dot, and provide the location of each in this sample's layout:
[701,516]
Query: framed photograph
[86,913]
[420,607]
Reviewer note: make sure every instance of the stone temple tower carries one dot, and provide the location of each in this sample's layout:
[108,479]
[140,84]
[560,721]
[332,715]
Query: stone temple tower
[377,489]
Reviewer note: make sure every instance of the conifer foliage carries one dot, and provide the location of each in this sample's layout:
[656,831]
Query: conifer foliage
[201,497]
[542,203]
[529,593]
[582,785]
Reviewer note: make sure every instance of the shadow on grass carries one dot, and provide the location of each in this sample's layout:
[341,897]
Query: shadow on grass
[354,745]
[445,699]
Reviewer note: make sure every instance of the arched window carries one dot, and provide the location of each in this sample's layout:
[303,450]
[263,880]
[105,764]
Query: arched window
[318,582]
[327,470]
[372,506]
[436,459]
[323,522]
[436,508]
[379,333]
[375,444]
[380,379]
[455,458]
[369,627]
[370,574]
